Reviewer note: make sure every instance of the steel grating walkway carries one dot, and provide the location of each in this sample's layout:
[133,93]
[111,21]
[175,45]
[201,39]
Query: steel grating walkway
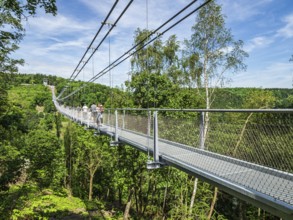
[267,186]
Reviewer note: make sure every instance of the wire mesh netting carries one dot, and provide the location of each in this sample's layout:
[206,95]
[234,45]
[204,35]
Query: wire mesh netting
[251,149]
[260,138]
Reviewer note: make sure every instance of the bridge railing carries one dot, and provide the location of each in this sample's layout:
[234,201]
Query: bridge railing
[263,137]
[247,151]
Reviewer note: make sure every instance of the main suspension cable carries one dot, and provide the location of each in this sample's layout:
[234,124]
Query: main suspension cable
[106,70]
[101,73]
[73,77]
[93,40]
[146,38]
[109,31]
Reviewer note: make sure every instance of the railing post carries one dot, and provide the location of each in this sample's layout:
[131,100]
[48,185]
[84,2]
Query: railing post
[156,163]
[123,118]
[156,146]
[116,141]
[149,134]
[88,119]
[201,131]
[116,126]
[149,124]
[108,117]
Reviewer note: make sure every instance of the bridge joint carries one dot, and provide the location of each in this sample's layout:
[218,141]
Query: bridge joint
[151,165]
[116,143]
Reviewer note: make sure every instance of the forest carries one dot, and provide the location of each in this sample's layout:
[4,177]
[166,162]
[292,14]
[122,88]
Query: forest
[53,168]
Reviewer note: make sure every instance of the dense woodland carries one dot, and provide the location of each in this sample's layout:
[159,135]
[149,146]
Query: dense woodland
[52,168]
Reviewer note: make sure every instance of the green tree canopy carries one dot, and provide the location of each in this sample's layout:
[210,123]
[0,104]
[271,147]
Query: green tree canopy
[43,151]
[12,12]
[213,50]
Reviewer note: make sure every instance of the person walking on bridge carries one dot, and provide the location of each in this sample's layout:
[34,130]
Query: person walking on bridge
[100,110]
[85,112]
[94,111]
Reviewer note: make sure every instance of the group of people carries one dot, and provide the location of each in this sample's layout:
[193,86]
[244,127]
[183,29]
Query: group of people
[96,112]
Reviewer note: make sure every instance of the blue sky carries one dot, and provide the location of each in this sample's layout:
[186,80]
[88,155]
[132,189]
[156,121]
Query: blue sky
[54,45]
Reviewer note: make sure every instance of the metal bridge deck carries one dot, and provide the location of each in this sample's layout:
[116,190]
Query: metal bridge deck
[260,185]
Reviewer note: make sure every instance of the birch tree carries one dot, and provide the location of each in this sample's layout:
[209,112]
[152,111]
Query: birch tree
[218,56]
[218,53]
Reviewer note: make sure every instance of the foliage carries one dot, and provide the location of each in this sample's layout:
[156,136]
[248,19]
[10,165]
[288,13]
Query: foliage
[41,152]
[258,99]
[151,90]
[212,51]
[154,71]
[31,203]
[42,149]
[12,12]
[10,164]
[49,151]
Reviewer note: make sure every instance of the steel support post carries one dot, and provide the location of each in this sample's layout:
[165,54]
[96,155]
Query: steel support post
[123,120]
[156,146]
[116,126]
[149,124]
[201,131]
[115,142]
[88,119]
[108,117]
[156,154]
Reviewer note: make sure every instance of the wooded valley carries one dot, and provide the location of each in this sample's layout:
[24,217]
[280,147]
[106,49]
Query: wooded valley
[53,168]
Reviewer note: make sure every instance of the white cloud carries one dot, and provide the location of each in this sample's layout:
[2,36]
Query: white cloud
[63,46]
[287,30]
[275,75]
[57,25]
[243,10]
[54,45]
[258,42]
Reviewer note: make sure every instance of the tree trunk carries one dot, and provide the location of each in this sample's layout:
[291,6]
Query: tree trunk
[164,200]
[193,197]
[240,210]
[213,203]
[207,98]
[258,213]
[91,186]
[120,195]
[128,205]
[241,135]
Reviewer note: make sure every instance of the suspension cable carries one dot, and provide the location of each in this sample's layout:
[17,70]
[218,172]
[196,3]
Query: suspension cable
[93,40]
[148,79]
[93,64]
[73,77]
[104,71]
[143,40]
[114,24]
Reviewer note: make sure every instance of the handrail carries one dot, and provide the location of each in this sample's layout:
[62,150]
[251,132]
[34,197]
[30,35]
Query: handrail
[286,110]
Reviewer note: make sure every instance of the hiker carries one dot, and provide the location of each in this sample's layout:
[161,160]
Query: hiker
[100,110]
[94,111]
[78,109]
[85,112]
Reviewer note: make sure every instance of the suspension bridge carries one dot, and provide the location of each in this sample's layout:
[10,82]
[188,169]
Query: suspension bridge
[247,153]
